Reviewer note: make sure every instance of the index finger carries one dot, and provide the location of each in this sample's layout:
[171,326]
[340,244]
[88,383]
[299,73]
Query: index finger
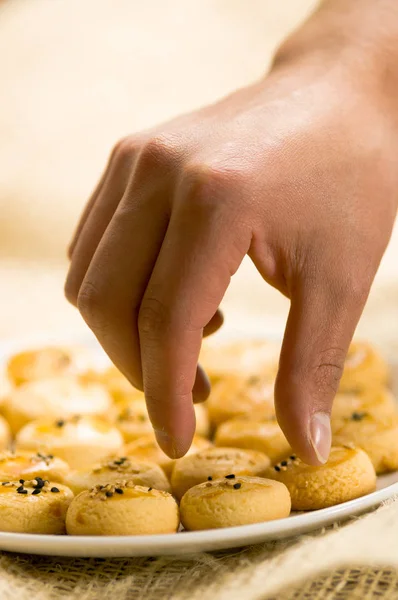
[193,270]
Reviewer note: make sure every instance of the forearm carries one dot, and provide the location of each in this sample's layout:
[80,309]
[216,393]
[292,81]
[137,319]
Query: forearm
[362,34]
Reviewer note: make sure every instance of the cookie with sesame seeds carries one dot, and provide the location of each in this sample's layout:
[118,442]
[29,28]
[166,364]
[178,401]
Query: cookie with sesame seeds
[122,508]
[80,441]
[113,469]
[33,506]
[28,465]
[214,463]
[229,503]
[348,474]
[380,403]
[377,435]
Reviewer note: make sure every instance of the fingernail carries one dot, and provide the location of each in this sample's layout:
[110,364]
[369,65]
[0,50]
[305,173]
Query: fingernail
[166,442]
[321,435]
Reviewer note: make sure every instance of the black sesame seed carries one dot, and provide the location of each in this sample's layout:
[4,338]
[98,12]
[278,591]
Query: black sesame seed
[150,489]
[210,478]
[20,488]
[5,482]
[284,463]
[232,476]
[50,456]
[358,416]
[109,494]
[22,481]
[119,491]
[293,457]
[237,486]
[54,490]
[277,468]
[22,491]
[60,423]
[36,491]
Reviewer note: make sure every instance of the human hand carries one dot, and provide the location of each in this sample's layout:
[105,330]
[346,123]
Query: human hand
[298,172]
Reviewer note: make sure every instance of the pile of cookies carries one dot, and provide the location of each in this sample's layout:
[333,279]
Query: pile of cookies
[78,455]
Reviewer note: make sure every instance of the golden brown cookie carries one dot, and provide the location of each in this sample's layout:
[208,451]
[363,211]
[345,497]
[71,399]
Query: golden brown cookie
[214,463]
[58,397]
[236,396]
[348,474]
[147,449]
[5,434]
[46,362]
[34,506]
[364,369]
[122,509]
[28,465]
[242,358]
[379,403]
[80,441]
[115,468]
[263,435]
[377,436]
[233,502]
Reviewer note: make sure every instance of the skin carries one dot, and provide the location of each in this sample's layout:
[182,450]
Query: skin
[299,172]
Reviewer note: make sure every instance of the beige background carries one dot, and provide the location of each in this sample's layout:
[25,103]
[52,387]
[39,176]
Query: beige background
[75,76]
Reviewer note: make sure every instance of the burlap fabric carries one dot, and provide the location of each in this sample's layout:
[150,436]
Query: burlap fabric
[76,75]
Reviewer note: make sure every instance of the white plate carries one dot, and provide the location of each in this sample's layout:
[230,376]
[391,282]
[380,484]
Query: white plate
[186,542]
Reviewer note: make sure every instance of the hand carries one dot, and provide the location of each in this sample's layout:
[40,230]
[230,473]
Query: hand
[297,171]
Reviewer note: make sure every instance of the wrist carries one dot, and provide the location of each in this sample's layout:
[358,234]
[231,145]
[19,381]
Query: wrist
[356,38]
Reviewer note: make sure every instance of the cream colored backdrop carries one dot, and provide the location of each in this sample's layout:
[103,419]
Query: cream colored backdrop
[75,75]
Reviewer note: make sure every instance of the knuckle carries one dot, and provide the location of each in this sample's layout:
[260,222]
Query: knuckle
[328,372]
[158,152]
[91,305]
[153,318]
[71,291]
[125,148]
[205,184]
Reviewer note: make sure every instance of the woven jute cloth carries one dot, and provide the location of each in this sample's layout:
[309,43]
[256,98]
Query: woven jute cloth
[75,76]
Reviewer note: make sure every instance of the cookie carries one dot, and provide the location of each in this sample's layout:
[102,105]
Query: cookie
[379,403]
[364,369]
[114,381]
[243,358]
[233,502]
[28,465]
[115,468]
[122,509]
[5,434]
[237,396]
[348,474]
[214,463]
[58,397]
[42,363]
[377,436]
[34,506]
[80,441]
[147,449]
[263,435]
[133,422]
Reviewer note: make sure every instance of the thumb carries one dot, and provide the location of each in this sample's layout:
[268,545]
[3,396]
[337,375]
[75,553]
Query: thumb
[320,326]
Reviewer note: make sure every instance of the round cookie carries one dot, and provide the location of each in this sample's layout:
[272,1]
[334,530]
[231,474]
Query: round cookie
[34,506]
[348,474]
[214,463]
[113,469]
[377,436]
[58,397]
[147,449]
[5,434]
[364,369]
[132,419]
[5,386]
[243,358]
[42,363]
[25,465]
[230,503]
[122,509]
[379,403]
[262,435]
[80,441]
[237,396]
